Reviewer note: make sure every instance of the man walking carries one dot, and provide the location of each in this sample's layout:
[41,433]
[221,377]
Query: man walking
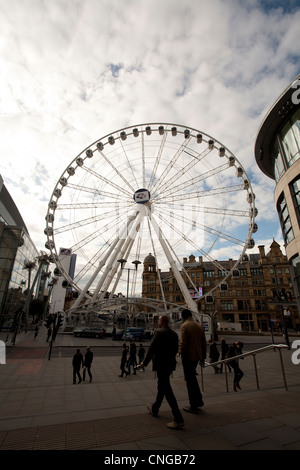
[88,359]
[192,350]
[77,363]
[162,352]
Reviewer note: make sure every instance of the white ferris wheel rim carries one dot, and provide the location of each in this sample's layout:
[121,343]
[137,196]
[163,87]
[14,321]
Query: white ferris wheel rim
[171,180]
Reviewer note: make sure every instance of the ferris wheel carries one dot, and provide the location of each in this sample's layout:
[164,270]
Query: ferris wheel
[159,188]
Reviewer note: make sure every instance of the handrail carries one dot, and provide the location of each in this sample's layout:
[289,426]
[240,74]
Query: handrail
[253,354]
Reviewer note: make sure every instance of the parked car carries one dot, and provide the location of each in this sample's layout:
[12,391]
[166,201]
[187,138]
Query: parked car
[89,331]
[135,333]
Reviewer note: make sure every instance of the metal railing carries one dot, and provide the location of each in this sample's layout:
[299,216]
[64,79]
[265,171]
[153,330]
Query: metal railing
[277,347]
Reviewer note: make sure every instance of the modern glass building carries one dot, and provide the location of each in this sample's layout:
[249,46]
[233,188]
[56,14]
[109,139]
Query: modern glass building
[16,252]
[277,153]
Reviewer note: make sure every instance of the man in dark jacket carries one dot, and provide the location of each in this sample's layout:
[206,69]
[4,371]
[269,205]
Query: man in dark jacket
[88,359]
[162,352]
[77,363]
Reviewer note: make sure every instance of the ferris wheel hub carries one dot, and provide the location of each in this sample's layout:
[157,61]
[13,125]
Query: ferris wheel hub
[141,196]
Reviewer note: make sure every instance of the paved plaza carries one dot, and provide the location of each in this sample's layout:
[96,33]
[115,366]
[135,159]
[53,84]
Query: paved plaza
[41,408]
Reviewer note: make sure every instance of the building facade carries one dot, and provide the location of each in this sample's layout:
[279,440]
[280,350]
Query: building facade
[252,298]
[277,153]
[17,252]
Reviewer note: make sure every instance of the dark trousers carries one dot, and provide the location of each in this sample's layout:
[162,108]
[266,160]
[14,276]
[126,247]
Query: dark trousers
[194,392]
[88,369]
[76,371]
[238,373]
[164,389]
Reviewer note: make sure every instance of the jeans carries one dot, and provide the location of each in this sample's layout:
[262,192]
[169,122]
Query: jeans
[194,392]
[76,371]
[164,389]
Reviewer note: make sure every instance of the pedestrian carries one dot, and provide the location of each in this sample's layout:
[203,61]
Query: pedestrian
[113,334]
[236,350]
[132,357]
[141,354]
[214,356]
[162,352]
[124,361]
[88,359]
[224,351]
[192,349]
[77,363]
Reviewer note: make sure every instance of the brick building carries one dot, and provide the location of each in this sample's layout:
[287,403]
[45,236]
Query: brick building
[253,297]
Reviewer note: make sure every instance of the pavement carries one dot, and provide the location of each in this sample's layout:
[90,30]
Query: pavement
[41,408]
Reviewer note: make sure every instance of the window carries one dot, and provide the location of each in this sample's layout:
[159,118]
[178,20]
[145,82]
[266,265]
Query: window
[295,192]
[209,273]
[278,160]
[290,136]
[285,220]
[256,272]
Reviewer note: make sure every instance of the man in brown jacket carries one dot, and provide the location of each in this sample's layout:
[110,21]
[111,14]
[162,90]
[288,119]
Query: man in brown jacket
[192,349]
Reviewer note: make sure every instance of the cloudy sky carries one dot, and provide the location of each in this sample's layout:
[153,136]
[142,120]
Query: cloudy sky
[72,71]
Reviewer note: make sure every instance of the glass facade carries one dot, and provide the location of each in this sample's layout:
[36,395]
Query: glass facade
[16,249]
[295,192]
[286,145]
[285,220]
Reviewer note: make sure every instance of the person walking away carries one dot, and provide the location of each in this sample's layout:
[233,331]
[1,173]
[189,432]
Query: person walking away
[132,357]
[214,356]
[141,354]
[162,352]
[224,351]
[192,349]
[124,361]
[88,359]
[77,363]
[236,350]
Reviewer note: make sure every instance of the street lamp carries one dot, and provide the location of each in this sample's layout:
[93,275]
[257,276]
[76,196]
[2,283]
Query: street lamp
[123,262]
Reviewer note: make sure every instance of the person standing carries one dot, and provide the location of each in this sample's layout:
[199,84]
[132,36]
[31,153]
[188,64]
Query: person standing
[124,361]
[88,359]
[224,351]
[192,349]
[236,350]
[214,356]
[132,357]
[77,363]
[162,352]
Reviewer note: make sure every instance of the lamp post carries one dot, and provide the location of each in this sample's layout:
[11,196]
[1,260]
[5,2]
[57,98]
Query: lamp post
[136,263]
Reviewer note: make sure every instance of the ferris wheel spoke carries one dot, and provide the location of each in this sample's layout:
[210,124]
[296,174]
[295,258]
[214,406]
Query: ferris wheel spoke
[197,158]
[107,181]
[153,176]
[81,223]
[194,181]
[170,165]
[96,192]
[199,208]
[187,222]
[127,162]
[115,169]
[196,247]
[204,193]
